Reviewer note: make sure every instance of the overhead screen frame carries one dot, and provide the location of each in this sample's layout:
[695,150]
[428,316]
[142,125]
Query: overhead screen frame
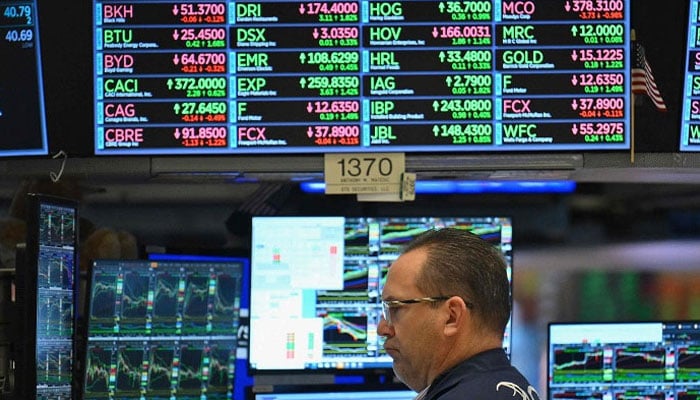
[377,364]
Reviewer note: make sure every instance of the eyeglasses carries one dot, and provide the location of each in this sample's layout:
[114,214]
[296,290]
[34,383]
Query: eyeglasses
[387,305]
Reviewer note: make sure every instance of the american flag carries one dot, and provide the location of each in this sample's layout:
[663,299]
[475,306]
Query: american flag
[643,79]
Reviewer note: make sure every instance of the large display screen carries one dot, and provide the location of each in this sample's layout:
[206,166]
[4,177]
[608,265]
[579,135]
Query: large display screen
[162,329]
[690,124]
[316,285]
[624,360]
[22,114]
[228,77]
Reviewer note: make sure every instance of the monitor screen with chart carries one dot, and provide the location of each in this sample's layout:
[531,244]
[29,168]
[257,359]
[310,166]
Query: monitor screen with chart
[162,328]
[623,360]
[316,287]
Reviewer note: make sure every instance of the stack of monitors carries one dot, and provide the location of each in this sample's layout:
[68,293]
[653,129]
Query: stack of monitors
[162,330]
[624,360]
[47,300]
[316,285]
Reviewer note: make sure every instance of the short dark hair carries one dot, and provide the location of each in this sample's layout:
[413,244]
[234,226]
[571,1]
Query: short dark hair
[462,264]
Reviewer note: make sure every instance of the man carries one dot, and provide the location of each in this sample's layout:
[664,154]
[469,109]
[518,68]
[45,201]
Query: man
[445,306]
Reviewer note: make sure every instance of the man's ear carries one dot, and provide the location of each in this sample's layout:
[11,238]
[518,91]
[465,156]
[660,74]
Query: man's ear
[457,316]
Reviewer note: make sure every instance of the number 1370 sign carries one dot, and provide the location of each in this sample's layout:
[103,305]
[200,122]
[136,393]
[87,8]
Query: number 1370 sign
[363,173]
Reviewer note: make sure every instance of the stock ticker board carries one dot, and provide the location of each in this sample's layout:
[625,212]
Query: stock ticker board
[690,135]
[272,77]
[22,114]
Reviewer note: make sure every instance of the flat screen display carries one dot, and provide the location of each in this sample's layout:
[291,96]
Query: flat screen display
[46,298]
[690,124]
[271,77]
[624,360]
[22,114]
[316,285]
[242,379]
[162,329]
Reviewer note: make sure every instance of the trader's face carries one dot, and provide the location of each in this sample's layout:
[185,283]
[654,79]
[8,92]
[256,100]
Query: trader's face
[413,332]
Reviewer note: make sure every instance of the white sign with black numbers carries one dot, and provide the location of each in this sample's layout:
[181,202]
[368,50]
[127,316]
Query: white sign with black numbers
[350,173]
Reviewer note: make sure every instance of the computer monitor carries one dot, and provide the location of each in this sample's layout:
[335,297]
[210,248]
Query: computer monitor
[624,360]
[316,285]
[46,301]
[242,379]
[391,391]
[162,329]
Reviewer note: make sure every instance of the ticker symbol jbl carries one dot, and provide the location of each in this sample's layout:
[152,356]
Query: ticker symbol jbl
[382,132]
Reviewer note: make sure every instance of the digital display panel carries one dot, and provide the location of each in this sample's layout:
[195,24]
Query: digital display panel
[162,329]
[624,360]
[228,77]
[316,300]
[22,114]
[46,299]
[690,124]
[56,301]
[242,379]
